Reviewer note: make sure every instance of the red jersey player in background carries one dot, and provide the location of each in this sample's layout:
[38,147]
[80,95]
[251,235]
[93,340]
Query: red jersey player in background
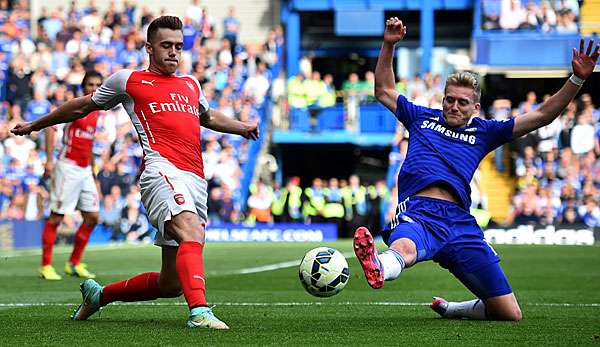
[167,112]
[72,186]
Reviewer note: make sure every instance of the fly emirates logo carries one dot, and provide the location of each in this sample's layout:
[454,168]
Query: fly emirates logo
[179,103]
[87,133]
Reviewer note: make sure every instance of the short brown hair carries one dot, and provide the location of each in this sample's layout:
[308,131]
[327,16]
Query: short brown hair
[91,74]
[465,79]
[166,22]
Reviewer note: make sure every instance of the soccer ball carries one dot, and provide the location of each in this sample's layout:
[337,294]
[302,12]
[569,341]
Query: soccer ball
[323,272]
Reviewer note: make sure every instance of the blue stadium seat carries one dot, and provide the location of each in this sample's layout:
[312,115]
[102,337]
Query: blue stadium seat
[375,118]
[299,119]
[331,118]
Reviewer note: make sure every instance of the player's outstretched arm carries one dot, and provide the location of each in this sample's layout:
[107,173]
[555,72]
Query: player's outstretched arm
[583,64]
[67,112]
[385,82]
[217,121]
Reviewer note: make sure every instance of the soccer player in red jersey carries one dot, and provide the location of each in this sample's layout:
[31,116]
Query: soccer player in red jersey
[72,186]
[167,112]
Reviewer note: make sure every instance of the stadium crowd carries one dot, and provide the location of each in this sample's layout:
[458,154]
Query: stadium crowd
[40,71]
[347,203]
[557,168]
[534,15]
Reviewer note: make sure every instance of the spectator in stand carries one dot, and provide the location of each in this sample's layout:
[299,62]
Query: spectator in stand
[231,28]
[367,88]
[590,212]
[566,6]
[528,207]
[355,201]
[206,26]
[491,20]
[352,89]
[228,213]
[546,16]
[107,178]
[549,137]
[512,15]
[257,86]
[570,218]
[530,103]
[37,107]
[18,148]
[19,83]
[352,86]
[194,11]
[531,17]
[215,205]
[110,216]
[134,225]
[583,134]
[328,98]
[500,110]
[333,211]
[566,23]
[586,103]
[314,88]
[259,203]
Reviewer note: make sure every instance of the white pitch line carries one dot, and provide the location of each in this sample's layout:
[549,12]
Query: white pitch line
[264,268]
[273,304]
[270,267]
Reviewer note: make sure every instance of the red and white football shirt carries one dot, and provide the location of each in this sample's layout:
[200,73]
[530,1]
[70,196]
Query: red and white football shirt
[165,111]
[78,139]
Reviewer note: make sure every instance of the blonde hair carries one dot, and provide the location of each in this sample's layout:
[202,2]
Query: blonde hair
[465,79]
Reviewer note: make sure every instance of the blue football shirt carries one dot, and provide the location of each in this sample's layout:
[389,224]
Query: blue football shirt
[439,154]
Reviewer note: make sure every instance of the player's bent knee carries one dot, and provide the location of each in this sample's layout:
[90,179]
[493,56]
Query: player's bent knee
[406,248]
[169,289]
[186,226]
[171,293]
[515,314]
[91,219]
[55,218]
[504,307]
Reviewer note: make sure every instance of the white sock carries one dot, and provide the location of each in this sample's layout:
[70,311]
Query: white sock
[392,263]
[474,309]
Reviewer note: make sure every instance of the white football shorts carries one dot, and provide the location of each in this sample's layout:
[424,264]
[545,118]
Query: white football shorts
[168,191]
[72,187]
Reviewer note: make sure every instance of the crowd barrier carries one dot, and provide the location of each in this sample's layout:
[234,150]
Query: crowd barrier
[549,235]
[27,234]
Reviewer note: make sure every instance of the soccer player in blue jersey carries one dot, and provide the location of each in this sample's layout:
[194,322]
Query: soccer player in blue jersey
[445,148]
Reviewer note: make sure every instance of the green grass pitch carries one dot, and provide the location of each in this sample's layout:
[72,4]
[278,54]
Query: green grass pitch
[558,288]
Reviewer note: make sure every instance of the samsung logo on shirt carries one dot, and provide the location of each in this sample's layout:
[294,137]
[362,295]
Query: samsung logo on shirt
[447,132]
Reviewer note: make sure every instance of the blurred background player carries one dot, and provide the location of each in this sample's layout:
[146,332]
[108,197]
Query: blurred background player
[72,186]
[167,112]
[446,146]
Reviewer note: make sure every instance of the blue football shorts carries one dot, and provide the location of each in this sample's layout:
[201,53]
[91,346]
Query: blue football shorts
[447,234]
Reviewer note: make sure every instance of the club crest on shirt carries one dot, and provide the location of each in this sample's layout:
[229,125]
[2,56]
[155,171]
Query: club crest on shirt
[179,199]
[190,85]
